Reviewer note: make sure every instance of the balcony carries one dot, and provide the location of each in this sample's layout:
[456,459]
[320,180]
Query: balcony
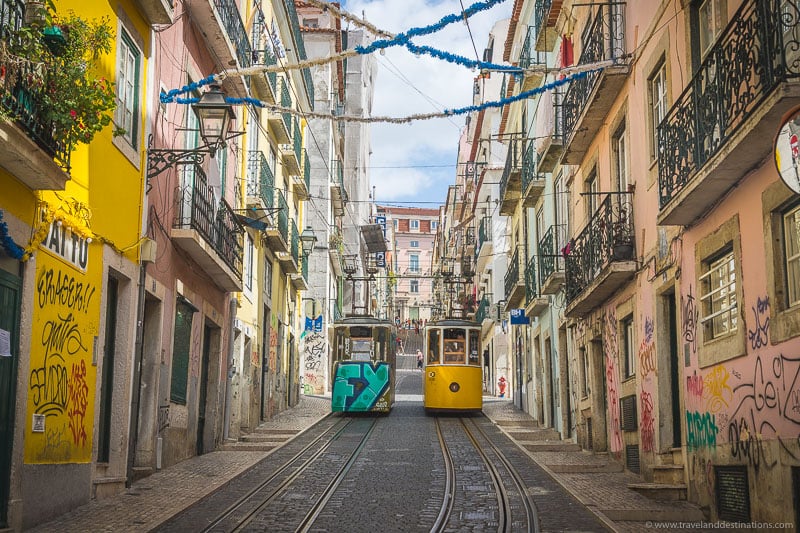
[723,126]
[535,303]
[532,181]
[550,144]
[514,281]
[222,28]
[483,312]
[290,260]
[301,184]
[485,248]
[551,259]
[545,16]
[157,11]
[529,57]
[602,258]
[280,124]
[338,192]
[510,182]
[336,250]
[264,83]
[300,280]
[207,230]
[292,153]
[278,232]
[300,50]
[260,184]
[589,99]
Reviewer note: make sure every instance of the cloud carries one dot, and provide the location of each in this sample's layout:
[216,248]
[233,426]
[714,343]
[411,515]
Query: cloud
[407,84]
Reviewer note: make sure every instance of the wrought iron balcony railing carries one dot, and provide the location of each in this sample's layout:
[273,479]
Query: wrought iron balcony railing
[283,215]
[529,56]
[531,288]
[297,140]
[541,12]
[301,50]
[512,277]
[286,101]
[533,181]
[483,310]
[21,89]
[608,237]
[295,243]
[260,181]
[604,39]
[263,53]
[762,41]
[509,180]
[484,231]
[231,20]
[551,257]
[214,221]
[306,170]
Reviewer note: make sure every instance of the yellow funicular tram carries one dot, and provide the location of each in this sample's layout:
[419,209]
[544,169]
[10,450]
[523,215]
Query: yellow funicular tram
[453,374]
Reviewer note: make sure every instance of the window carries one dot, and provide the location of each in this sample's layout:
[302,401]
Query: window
[591,189]
[657,91]
[414,244]
[182,340]
[127,112]
[719,295]
[791,239]
[585,375]
[628,347]
[710,22]
[434,224]
[620,159]
[413,263]
[414,286]
[248,264]
[414,224]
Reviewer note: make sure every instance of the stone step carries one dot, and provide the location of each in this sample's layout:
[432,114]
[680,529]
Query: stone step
[255,437]
[248,447]
[539,434]
[551,446]
[517,424]
[141,472]
[586,468]
[668,474]
[660,491]
[677,456]
[275,431]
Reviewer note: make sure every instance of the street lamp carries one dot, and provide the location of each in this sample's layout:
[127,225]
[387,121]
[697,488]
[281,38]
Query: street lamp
[214,116]
[307,241]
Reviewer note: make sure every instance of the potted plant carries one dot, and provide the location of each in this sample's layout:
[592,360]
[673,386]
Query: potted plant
[622,238]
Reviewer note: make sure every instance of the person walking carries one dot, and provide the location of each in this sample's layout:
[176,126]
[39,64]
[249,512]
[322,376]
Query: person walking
[419,359]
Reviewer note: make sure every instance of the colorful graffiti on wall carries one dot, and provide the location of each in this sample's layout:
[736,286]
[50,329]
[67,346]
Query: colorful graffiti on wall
[611,347]
[314,362]
[62,378]
[361,386]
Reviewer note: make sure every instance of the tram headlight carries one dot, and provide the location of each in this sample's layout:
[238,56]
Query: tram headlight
[454,387]
[431,374]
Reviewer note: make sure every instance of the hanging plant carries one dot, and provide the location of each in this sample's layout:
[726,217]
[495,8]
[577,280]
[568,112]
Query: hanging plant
[53,68]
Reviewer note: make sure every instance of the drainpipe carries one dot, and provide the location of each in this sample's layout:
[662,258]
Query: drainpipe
[133,431]
[233,305]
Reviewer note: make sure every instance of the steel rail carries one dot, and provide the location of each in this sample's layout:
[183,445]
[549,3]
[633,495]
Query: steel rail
[450,483]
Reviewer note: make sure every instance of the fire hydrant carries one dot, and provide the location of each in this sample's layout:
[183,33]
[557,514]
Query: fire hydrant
[501,386]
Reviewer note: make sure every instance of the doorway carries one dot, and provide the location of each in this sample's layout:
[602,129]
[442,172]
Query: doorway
[201,404]
[10,287]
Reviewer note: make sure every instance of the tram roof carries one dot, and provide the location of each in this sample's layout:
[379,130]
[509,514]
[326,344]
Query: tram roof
[452,322]
[364,320]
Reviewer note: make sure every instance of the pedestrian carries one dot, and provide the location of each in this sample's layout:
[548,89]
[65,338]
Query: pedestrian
[416,327]
[399,346]
[419,358]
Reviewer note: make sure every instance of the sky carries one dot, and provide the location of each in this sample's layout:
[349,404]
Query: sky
[414,163]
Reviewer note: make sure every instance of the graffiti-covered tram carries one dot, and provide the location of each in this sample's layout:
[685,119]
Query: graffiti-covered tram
[453,374]
[363,361]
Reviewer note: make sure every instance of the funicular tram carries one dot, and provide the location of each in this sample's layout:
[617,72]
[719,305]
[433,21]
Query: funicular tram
[363,356]
[453,378]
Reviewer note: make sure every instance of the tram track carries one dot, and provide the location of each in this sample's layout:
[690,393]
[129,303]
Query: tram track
[450,483]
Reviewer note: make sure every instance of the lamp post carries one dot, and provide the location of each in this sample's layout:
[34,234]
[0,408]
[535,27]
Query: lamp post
[214,116]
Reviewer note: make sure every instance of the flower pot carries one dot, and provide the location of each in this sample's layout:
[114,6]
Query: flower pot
[622,252]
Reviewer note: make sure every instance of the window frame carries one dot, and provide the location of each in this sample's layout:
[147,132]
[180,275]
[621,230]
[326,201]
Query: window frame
[657,107]
[127,51]
[413,263]
[715,289]
[628,346]
[413,224]
[790,301]
[413,286]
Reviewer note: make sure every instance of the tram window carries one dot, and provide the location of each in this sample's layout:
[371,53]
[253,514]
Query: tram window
[474,359]
[361,349]
[433,346]
[454,346]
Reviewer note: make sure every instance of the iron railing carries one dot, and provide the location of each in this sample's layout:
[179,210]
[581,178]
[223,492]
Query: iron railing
[283,215]
[484,231]
[551,257]
[295,243]
[608,237]
[263,53]
[301,50]
[215,221]
[516,146]
[512,277]
[306,170]
[603,40]
[286,101]
[483,310]
[298,141]
[540,12]
[21,89]
[337,169]
[531,289]
[762,41]
[529,56]
[260,181]
[304,269]
[529,171]
[232,22]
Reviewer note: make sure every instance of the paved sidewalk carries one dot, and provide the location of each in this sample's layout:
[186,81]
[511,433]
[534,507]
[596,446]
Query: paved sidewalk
[154,499]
